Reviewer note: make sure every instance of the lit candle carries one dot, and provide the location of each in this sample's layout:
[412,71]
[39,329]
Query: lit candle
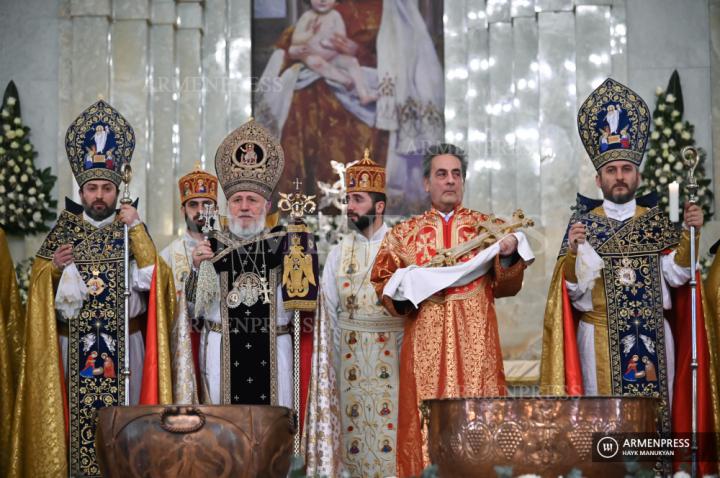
[674,188]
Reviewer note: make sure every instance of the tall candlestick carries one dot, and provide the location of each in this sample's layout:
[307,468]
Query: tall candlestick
[674,189]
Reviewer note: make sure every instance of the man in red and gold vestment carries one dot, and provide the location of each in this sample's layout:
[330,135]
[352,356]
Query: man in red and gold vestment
[451,346]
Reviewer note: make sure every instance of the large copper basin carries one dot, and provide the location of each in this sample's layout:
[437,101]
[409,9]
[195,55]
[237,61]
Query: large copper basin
[546,436]
[203,441]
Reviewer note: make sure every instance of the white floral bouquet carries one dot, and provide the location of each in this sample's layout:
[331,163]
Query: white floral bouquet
[27,202]
[663,162]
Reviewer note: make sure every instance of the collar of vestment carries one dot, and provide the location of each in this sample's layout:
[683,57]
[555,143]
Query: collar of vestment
[650,230]
[99,224]
[619,212]
[446,216]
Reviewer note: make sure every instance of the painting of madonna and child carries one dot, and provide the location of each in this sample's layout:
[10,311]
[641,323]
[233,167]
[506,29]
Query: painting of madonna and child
[332,78]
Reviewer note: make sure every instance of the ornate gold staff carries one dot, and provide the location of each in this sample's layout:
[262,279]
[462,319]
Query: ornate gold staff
[126,172]
[297,204]
[690,159]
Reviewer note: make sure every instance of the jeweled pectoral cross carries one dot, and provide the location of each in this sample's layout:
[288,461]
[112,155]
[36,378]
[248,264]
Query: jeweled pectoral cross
[265,290]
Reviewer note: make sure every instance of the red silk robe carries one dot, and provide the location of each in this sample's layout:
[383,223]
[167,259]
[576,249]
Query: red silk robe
[451,345]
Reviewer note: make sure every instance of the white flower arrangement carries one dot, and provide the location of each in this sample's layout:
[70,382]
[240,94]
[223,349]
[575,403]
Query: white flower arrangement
[26,205]
[669,134]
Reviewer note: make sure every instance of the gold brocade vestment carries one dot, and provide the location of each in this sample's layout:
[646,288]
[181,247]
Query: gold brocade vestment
[11,321]
[451,345]
[39,446]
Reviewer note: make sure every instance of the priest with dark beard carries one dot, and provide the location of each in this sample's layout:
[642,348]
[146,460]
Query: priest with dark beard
[358,366]
[76,315]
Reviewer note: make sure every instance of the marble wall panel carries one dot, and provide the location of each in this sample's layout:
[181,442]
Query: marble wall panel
[502,119]
[163,126]
[129,93]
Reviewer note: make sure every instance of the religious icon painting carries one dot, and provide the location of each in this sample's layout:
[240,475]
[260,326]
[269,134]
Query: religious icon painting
[249,155]
[354,447]
[330,81]
[99,144]
[352,338]
[613,124]
[88,370]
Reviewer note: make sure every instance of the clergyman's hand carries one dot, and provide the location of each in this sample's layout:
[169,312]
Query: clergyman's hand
[63,256]
[576,236]
[202,252]
[129,215]
[508,246]
[693,215]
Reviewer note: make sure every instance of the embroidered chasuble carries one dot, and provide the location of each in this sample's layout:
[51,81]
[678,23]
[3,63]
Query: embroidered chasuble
[451,346]
[96,350]
[53,430]
[631,348]
[249,273]
[96,346]
[627,303]
[368,370]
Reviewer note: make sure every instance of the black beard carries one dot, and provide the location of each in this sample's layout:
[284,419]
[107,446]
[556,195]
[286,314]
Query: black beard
[362,222]
[192,225]
[98,215]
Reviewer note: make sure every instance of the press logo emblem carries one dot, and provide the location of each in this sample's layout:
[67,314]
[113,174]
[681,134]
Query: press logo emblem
[607,447]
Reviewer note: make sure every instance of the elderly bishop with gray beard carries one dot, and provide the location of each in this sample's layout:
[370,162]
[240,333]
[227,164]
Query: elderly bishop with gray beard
[246,276]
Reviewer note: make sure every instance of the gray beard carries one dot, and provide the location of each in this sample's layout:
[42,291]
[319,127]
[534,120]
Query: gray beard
[247,232]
